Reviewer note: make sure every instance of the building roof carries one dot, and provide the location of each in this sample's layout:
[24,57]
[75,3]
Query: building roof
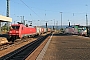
[5,19]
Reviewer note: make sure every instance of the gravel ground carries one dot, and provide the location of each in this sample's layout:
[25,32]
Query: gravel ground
[68,48]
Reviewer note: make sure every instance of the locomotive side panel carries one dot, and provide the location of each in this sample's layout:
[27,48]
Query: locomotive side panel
[28,31]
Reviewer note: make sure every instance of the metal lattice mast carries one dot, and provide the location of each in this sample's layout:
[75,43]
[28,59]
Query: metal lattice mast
[7,14]
[7,8]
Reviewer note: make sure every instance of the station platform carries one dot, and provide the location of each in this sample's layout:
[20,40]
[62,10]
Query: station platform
[65,47]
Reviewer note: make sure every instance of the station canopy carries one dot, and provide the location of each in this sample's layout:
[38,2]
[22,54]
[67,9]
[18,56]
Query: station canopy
[5,19]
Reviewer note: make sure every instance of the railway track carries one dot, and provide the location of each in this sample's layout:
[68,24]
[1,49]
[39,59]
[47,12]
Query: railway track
[9,44]
[23,52]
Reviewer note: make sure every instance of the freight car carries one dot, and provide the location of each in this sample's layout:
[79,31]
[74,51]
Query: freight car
[85,31]
[49,30]
[39,30]
[69,30]
[81,30]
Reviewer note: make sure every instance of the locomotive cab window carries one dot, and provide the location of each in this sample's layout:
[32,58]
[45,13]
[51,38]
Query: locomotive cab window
[15,27]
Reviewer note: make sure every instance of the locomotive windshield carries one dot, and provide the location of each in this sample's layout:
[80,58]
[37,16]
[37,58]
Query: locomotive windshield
[15,27]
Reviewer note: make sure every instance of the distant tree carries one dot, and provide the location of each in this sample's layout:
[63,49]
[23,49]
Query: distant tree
[5,27]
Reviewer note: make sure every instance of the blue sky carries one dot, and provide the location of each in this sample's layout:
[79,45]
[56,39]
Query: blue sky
[48,10]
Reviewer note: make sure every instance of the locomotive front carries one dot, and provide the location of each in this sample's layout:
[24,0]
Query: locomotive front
[14,32]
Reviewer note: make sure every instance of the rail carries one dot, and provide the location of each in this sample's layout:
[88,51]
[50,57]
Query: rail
[23,52]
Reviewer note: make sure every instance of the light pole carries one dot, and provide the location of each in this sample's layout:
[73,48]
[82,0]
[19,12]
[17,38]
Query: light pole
[86,18]
[61,19]
[53,24]
[57,25]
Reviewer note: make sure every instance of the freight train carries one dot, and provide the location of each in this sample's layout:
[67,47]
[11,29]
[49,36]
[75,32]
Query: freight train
[79,30]
[70,30]
[20,30]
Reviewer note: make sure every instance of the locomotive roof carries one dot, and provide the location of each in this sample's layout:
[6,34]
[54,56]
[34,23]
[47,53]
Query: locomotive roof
[16,24]
[21,24]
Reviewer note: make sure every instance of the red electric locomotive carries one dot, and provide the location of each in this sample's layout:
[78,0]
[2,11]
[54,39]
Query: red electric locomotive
[20,30]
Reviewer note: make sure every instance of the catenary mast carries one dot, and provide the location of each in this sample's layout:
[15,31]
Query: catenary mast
[7,14]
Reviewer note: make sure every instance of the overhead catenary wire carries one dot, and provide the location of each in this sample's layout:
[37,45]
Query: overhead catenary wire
[52,10]
[29,7]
